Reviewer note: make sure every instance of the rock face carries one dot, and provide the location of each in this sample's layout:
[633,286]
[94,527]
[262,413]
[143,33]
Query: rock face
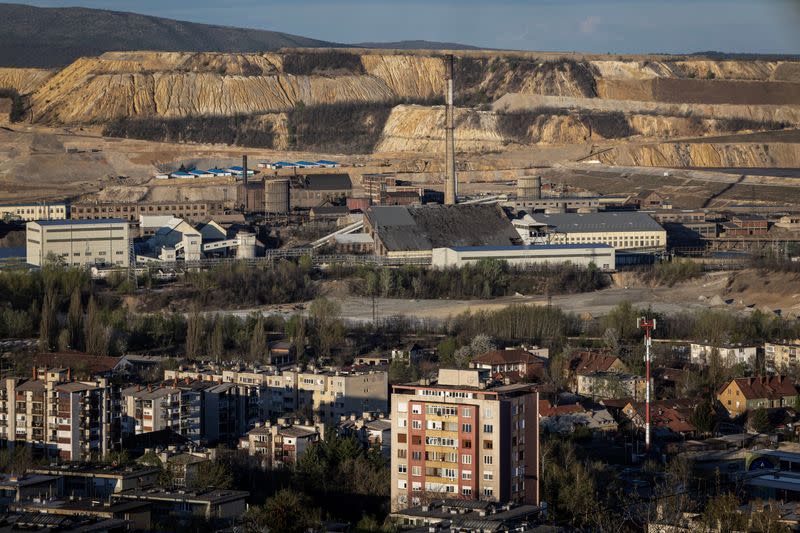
[505,100]
[712,155]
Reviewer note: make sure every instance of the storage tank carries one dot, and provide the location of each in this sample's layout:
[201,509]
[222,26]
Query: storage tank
[529,187]
[358,204]
[276,196]
[246,248]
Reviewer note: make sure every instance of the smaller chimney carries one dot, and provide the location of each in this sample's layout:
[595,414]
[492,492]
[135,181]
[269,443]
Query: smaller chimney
[34,372]
[69,374]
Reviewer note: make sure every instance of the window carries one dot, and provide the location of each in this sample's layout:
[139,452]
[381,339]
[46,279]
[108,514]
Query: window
[416,424]
[402,468]
[466,428]
[488,476]
[487,459]
[416,456]
[402,407]
[487,491]
[449,473]
[416,439]
[402,453]
[466,459]
[402,422]
[401,438]
[466,475]
[487,412]
[416,409]
[466,491]
[488,428]
[487,444]
[466,444]
[416,471]
[466,412]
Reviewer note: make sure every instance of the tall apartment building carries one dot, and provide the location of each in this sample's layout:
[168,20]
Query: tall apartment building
[79,242]
[464,435]
[272,392]
[202,410]
[74,420]
[34,211]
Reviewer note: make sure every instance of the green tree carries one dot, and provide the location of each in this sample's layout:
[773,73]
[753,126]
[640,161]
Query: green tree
[75,320]
[216,343]
[703,417]
[758,420]
[296,330]
[194,334]
[287,511]
[258,340]
[97,335]
[214,474]
[48,324]
[326,325]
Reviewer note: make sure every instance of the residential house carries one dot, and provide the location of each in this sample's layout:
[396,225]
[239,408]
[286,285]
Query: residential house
[283,443]
[588,362]
[515,364]
[740,395]
[564,419]
[370,429]
[666,416]
[605,385]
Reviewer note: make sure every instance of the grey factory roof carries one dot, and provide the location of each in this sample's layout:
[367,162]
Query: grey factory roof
[408,228]
[81,222]
[328,182]
[598,222]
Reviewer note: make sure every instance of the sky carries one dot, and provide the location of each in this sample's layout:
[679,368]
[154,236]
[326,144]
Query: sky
[600,26]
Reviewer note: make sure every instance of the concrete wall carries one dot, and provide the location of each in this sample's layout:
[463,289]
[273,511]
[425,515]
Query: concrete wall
[601,257]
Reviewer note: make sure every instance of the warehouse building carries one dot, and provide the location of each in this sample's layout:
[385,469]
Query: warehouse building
[623,230]
[600,255]
[415,230]
[315,190]
[34,211]
[188,210]
[79,242]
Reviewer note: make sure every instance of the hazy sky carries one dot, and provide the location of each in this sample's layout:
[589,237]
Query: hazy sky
[615,26]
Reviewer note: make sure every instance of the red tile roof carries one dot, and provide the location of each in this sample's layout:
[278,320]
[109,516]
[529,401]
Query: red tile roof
[502,357]
[548,409]
[771,388]
[588,362]
[95,364]
[674,415]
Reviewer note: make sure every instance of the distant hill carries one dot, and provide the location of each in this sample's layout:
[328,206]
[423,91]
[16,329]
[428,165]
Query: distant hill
[54,37]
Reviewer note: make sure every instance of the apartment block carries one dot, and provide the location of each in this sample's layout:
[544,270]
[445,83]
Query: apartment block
[729,354]
[464,435]
[272,392]
[79,242]
[147,409]
[73,420]
[283,443]
[782,355]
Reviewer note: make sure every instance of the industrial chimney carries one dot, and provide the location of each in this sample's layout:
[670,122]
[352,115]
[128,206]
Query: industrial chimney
[450,185]
[244,182]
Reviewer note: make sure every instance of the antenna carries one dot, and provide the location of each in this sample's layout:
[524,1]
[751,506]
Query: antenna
[648,326]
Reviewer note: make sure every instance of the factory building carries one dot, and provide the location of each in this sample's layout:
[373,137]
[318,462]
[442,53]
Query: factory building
[192,211]
[414,231]
[34,211]
[624,230]
[599,255]
[79,242]
[317,189]
[465,435]
[530,198]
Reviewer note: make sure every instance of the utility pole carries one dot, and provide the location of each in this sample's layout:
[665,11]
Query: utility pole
[648,326]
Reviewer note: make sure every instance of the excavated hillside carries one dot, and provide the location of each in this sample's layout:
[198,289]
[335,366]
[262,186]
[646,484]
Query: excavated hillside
[364,101]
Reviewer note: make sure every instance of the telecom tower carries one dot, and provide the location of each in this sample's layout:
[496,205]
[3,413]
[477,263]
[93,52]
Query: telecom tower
[648,326]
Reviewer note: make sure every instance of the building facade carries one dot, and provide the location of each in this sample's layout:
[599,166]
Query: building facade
[743,394]
[781,356]
[79,242]
[729,354]
[34,211]
[131,211]
[72,420]
[464,435]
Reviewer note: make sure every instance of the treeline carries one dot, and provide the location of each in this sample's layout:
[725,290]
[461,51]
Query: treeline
[239,130]
[340,128]
[487,278]
[671,272]
[307,63]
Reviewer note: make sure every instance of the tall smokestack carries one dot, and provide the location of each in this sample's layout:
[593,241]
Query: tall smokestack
[244,181]
[450,185]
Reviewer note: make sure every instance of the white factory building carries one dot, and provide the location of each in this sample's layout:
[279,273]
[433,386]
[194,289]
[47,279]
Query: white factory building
[79,242]
[624,230]
[600,255]
[34,211]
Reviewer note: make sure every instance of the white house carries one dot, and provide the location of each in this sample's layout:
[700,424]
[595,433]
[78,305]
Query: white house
[729,354]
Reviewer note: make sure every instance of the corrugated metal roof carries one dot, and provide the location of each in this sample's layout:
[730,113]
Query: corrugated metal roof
[598,222]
